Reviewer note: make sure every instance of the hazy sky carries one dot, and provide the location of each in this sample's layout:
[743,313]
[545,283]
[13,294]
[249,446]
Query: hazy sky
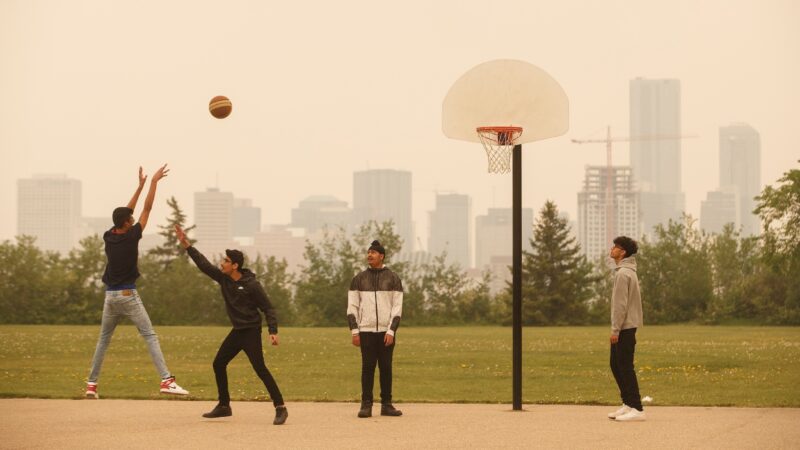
[95,88]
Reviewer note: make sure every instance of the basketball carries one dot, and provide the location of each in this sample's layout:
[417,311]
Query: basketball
[220,107]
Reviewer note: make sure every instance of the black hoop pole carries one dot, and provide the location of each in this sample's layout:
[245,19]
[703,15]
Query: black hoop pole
[516,168]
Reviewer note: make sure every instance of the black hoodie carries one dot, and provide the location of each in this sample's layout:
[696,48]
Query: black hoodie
[243,298]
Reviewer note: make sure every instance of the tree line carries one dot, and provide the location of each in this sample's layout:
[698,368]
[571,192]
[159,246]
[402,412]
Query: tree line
[685,275]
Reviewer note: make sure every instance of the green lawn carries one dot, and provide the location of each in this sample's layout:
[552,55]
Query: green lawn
[677,365]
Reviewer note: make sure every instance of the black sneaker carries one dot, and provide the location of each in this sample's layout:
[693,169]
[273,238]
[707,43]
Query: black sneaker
[365,411]
[389,410]
[219,411]
[281,414]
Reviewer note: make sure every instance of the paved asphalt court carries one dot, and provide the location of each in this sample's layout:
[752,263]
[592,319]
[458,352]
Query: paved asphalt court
[82,424]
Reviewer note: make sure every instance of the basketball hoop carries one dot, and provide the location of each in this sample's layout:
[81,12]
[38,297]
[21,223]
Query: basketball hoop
[498,143]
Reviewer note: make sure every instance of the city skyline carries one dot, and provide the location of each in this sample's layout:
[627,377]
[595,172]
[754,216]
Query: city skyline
[87,94]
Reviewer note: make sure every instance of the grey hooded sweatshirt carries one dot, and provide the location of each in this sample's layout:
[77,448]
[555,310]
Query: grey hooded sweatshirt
[626,301]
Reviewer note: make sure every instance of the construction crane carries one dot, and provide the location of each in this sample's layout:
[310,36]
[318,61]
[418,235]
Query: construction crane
[610,212]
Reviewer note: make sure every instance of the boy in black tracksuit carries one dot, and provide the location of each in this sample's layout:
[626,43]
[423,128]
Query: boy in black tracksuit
[244,296]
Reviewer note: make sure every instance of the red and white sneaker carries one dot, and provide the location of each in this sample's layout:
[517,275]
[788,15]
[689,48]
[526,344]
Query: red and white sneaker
[169,386]
[91,391]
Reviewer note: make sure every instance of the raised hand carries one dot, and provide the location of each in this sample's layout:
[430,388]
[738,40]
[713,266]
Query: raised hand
[142,178]
[181,236]
[160,173]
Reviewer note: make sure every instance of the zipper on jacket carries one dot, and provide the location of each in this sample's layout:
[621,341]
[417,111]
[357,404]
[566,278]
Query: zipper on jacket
[376,300]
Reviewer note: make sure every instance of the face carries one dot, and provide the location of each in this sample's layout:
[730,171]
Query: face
[617,252]
[374,259]
[227,267]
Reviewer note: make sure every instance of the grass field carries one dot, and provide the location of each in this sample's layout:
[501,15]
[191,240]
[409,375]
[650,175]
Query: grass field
[676,365]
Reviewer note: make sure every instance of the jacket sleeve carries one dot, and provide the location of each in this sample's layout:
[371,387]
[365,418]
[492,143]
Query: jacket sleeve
[206,267]
[262,302]
[397,307]
[353,305]
[619,302]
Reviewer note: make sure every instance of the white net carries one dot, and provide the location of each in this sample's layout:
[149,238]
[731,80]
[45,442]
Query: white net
[498,143]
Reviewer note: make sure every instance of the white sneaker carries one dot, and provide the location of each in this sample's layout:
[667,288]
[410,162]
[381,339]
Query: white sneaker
[630,416]
[169,386]
[624,409]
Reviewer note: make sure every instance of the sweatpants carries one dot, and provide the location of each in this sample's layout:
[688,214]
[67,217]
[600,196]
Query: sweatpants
[374,351]
[249,340]
[622,368]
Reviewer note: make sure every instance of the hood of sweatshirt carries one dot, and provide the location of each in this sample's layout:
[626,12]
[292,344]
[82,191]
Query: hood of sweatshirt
[628,263]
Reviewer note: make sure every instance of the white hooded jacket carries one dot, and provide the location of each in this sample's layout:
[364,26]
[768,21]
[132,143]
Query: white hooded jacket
[375,302]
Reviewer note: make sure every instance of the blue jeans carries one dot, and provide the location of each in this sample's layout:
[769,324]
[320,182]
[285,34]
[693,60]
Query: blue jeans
[120,304]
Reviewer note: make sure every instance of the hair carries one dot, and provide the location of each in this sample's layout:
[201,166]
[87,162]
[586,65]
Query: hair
[121,215]
[629,245]
[236,257]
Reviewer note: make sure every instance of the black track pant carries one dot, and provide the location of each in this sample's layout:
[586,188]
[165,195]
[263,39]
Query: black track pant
[374,351]
[622,368]
[249,340]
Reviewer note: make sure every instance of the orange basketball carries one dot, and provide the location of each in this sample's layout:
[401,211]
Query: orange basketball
[220,107]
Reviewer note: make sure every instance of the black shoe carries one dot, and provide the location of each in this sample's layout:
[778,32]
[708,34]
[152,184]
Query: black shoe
[281,414]
[388,410]
[365,411]
[219,411]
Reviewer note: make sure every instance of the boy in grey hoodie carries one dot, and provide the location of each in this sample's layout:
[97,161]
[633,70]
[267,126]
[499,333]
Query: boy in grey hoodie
[626,317]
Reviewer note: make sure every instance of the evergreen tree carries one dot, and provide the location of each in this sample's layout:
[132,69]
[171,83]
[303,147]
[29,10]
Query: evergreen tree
[171,249]
[556,278]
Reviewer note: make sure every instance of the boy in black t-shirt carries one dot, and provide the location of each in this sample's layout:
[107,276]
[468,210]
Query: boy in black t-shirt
[122,299]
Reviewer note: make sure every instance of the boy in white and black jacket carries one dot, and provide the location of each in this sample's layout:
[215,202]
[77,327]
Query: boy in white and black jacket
[374,307]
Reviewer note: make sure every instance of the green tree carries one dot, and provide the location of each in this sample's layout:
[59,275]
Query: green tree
[32,281]
[179,294]
[556,278]
[779,209]
[170,248]
[321,295]
[277,281]
[734,265]
[602,287]
[83,289]
[675,273]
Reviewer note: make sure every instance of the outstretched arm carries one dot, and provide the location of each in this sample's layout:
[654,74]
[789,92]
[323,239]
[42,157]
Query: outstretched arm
[199,260]
[151,195]
[135,198]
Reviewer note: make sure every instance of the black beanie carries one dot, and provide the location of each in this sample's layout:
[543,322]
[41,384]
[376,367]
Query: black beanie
[376,245]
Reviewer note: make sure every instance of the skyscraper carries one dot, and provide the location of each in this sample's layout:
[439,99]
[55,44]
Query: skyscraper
[213,215]
[246,218]
[720,207]
[655,127]
[493,237]
[740,170]
[321,211]
[450,229]
[592,233]
[382,195]
[49,209]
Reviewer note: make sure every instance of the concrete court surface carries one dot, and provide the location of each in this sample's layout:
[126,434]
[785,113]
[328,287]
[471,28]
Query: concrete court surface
[111,424]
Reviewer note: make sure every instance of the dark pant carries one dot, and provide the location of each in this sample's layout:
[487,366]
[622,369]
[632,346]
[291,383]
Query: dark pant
[374,351]
[622,368]
[249,340]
